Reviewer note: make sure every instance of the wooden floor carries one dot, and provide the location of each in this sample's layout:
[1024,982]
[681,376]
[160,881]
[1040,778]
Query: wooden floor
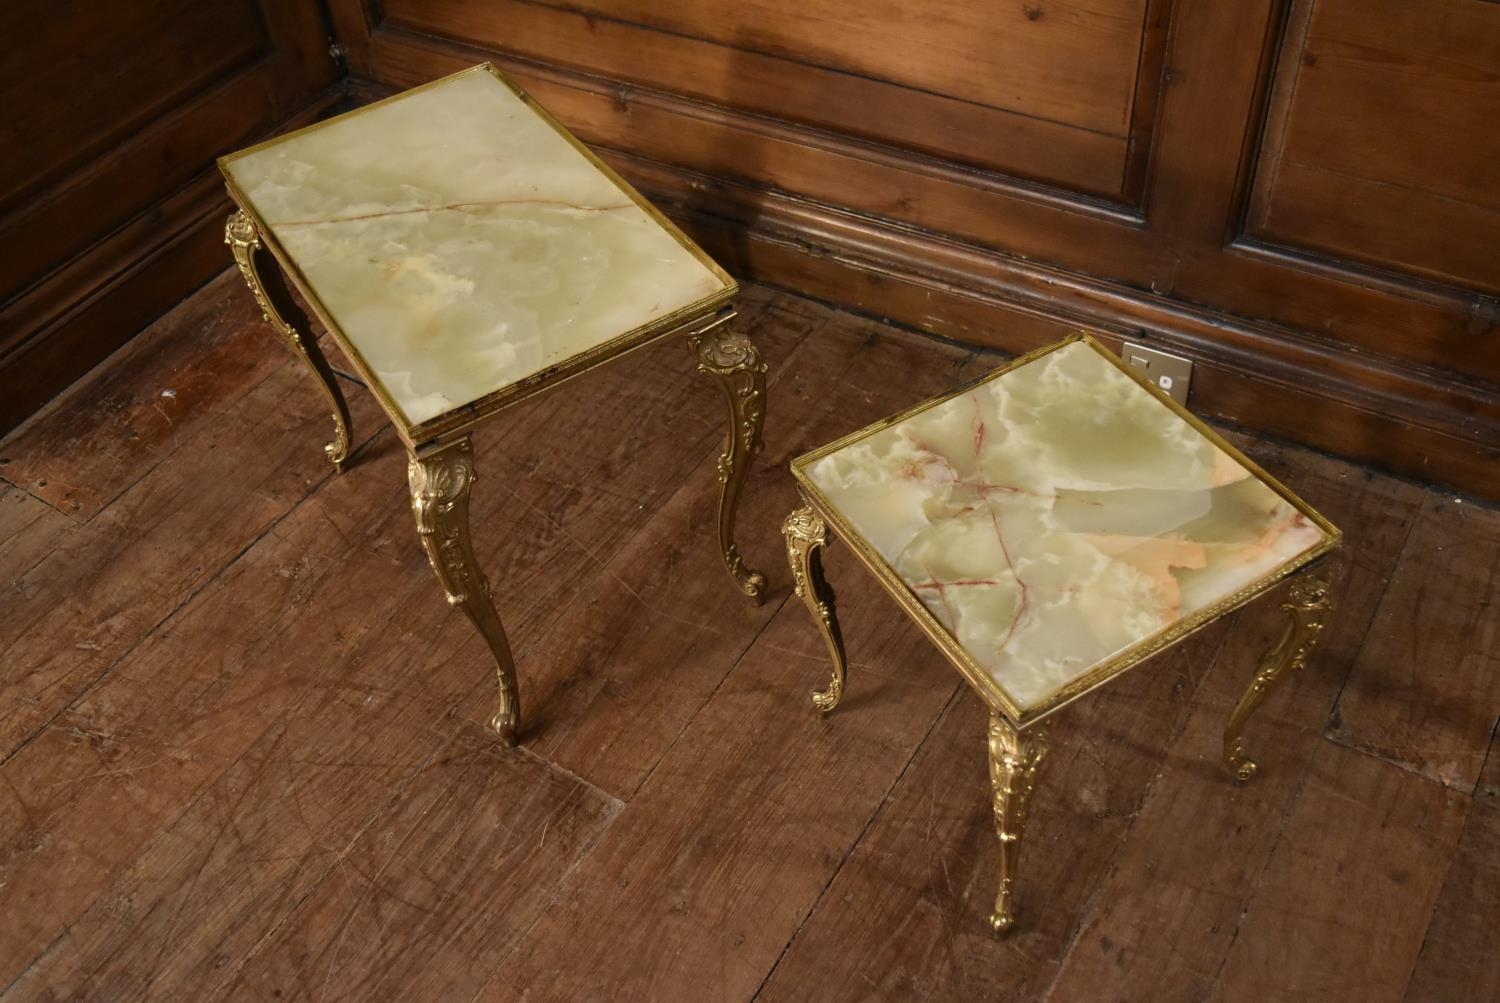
[242,752]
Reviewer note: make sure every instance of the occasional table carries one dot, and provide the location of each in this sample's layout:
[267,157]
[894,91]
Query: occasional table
[1050,526]
[466,253]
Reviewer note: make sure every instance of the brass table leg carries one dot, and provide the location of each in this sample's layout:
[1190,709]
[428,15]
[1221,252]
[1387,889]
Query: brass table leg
[806,535]
[440,483]
[276,304]
[734,360]
[1307,604]
[1014,758]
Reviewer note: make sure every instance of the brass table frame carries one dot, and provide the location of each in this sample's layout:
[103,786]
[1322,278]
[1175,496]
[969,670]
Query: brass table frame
[1017,739]
[440,451]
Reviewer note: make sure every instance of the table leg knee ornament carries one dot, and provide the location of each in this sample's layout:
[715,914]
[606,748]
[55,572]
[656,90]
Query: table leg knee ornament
[734,360]
[806,535]
[440,484]
[244,242]
[1308,603]
[1015,757]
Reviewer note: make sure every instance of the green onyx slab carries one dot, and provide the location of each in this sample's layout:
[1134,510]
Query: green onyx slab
[1057,515]
[461,243]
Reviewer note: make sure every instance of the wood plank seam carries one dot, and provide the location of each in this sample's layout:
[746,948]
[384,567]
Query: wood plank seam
[564,883]
[63,400]
[278,722]
[20,573]
[61,934]
[1479,816]
[1331,724]
[1299,783]
[563,771]
[1432,913]
[5,482]
[959,691]
[396,794]
[1406,767]
[688,720]
[1491,759]
[787,365]
[185,603]
[1081,920]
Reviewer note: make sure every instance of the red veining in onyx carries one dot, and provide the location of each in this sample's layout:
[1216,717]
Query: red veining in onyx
[937,586]
[933,583]
[942,590]
[985,488]
[451,207]
[1025,603]
[916,470]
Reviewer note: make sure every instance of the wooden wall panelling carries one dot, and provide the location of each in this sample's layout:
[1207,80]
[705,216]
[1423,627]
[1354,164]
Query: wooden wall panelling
[1208,135]
[777,156]
[1382,143]
[108,217]
[1150,78]
[1065,62]
[1429,328]
[985,212]
[1451,330]
[1040,92]
[111,69]
[993,241]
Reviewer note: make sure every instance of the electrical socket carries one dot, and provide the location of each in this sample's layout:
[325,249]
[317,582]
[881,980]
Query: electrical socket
[1172,373]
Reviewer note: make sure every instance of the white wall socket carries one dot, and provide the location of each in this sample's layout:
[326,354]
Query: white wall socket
[1172,373]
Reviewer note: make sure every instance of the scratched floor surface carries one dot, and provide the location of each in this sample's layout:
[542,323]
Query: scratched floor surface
[242,753]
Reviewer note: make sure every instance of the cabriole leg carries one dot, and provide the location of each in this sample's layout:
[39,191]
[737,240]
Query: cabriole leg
[735,362]
[1307,604]
[806,535]
[276,304]
[1014,759]
[440,483]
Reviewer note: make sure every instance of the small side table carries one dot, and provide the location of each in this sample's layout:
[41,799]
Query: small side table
[466,253]
[1050,526]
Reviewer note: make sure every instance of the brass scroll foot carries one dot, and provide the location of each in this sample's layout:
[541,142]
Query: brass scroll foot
[1014,759]
[440,483]
[1307,604]
[806,535]
[276,305]
[734,360]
